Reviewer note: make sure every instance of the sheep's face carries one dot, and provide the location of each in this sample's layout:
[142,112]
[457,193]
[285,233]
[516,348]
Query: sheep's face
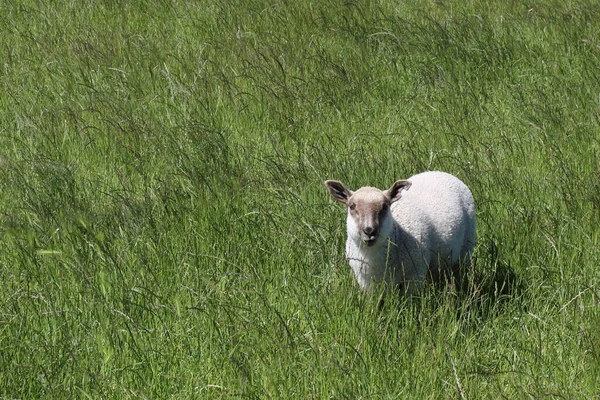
[368,209]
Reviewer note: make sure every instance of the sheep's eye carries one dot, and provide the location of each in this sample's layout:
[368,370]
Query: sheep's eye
[352,206]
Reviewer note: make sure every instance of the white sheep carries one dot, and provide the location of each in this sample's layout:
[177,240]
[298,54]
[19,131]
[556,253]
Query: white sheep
[422,225]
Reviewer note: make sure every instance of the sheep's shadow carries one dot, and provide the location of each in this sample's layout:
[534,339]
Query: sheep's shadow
[482,289]
[487,286]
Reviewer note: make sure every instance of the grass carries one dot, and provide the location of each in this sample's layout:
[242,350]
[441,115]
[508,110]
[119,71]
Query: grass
[164,228]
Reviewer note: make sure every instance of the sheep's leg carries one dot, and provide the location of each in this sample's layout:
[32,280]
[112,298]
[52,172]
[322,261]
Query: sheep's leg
[413,280]
[414,287]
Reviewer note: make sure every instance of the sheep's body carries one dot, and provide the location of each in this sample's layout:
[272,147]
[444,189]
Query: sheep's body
[430,227]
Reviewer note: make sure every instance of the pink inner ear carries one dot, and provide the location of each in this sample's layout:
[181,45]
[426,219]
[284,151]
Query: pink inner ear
[338,191]
[395,192]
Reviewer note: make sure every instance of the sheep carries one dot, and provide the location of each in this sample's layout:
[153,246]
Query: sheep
[420,226]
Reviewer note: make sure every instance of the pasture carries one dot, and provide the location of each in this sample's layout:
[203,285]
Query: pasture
[164,227]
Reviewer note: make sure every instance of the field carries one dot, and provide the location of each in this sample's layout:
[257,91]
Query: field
[165,231]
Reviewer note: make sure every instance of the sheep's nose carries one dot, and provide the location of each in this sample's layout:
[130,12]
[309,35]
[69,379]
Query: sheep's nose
[369,235]
[369,230]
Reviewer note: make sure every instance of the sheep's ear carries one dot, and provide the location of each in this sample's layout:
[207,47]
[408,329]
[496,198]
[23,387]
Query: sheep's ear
[338,191]
[395,191]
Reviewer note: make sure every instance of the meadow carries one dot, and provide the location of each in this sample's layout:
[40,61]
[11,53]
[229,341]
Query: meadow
[164,227]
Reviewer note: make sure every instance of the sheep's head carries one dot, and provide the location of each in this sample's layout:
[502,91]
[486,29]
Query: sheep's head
[368,207]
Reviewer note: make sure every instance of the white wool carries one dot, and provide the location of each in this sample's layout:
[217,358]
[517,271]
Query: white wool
[432,226]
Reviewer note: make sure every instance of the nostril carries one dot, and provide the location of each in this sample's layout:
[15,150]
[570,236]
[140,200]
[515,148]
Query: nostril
[369,230]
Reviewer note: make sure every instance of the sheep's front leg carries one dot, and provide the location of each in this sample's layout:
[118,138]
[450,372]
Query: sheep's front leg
[414,287]
[411,278]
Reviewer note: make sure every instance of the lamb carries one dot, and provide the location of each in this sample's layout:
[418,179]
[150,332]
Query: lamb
[420,226]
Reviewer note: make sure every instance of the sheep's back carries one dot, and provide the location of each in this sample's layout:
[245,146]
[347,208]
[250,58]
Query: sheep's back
[437,210]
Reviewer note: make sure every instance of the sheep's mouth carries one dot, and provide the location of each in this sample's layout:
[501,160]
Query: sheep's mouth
[369,240]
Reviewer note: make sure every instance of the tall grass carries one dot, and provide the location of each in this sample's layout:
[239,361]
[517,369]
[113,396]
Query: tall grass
[164,229]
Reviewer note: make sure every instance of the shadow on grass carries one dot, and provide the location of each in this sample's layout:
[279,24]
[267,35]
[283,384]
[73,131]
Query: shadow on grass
[487,287]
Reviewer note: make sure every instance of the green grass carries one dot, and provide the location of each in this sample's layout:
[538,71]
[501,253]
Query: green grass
[165,231]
